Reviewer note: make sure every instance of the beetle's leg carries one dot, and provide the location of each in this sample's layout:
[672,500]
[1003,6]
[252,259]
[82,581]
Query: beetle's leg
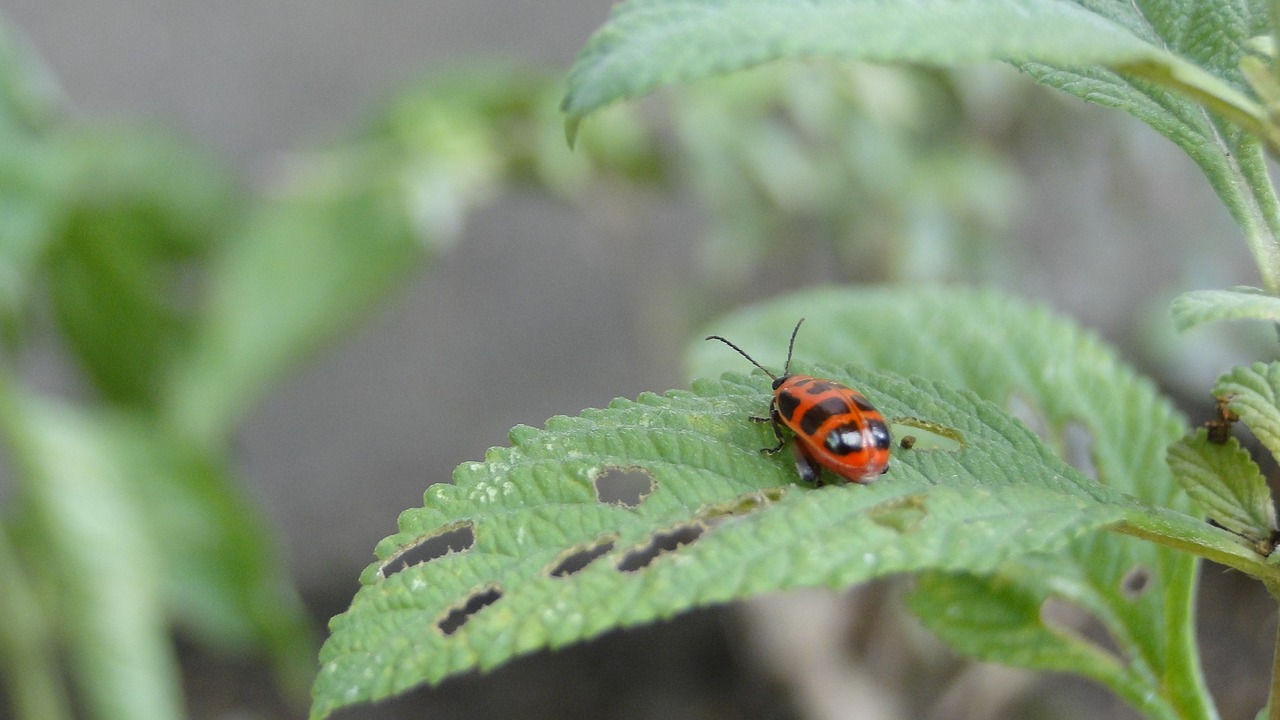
[810,471]
[777,432]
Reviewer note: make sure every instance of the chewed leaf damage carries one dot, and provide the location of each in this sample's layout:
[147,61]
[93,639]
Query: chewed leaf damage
[454,538]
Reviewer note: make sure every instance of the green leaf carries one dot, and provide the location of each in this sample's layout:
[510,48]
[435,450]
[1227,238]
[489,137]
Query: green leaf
[28,646]
[1003,619]
[648,43]
[33,174]
[99,563]
[1253,393]
[1239,303]
[538,559]
[1074,392]
[1225,483]
[34,178]
[223,580]
[138,208]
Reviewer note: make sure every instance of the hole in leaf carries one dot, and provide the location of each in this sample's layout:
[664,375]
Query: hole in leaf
[580,557]
[458,615]
[901,514]
[741,505]
[450,539]
[1071,619]
[1077,448]
[1135,582]
[925,435]
[627,486]
[660,543]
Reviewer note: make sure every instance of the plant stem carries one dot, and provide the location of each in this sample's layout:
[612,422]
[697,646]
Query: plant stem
[1169,531]
[1275,37]
[1273,697]
[26,647]
[1261,219]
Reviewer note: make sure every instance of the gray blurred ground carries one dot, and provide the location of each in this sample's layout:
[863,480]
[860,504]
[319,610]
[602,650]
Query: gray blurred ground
[534,313]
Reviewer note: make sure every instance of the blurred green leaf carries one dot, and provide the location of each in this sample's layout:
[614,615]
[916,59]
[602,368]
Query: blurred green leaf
[873,163]
[223,581]
[103,569]
[33,174]
[1003,618]
[1239,303]
[34,182]
[28,646]
[140,207]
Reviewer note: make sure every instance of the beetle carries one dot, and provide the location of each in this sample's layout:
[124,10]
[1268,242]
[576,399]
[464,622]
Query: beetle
[835,427]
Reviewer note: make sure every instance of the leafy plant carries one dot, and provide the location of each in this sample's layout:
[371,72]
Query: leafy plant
[531,549]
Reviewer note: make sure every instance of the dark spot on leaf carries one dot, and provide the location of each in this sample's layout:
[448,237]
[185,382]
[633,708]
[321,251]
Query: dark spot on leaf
[623,485]
[579,557]
[661,542]
[1135,582]
[458,615]
[1077,448]
[902,514]
[1071,619]
[450,539]
[926,434]
[741,505]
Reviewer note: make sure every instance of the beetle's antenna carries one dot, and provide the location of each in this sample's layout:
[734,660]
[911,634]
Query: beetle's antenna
[744,354]
[786,370]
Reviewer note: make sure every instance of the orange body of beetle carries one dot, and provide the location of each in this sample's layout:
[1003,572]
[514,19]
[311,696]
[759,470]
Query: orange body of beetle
[835,427]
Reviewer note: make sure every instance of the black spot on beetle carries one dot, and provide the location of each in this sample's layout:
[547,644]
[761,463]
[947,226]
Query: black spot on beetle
[845,440]
[824,410]
[818,387]
[787,404]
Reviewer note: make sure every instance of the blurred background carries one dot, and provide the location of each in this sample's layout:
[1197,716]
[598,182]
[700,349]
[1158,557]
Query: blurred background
[372,253]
